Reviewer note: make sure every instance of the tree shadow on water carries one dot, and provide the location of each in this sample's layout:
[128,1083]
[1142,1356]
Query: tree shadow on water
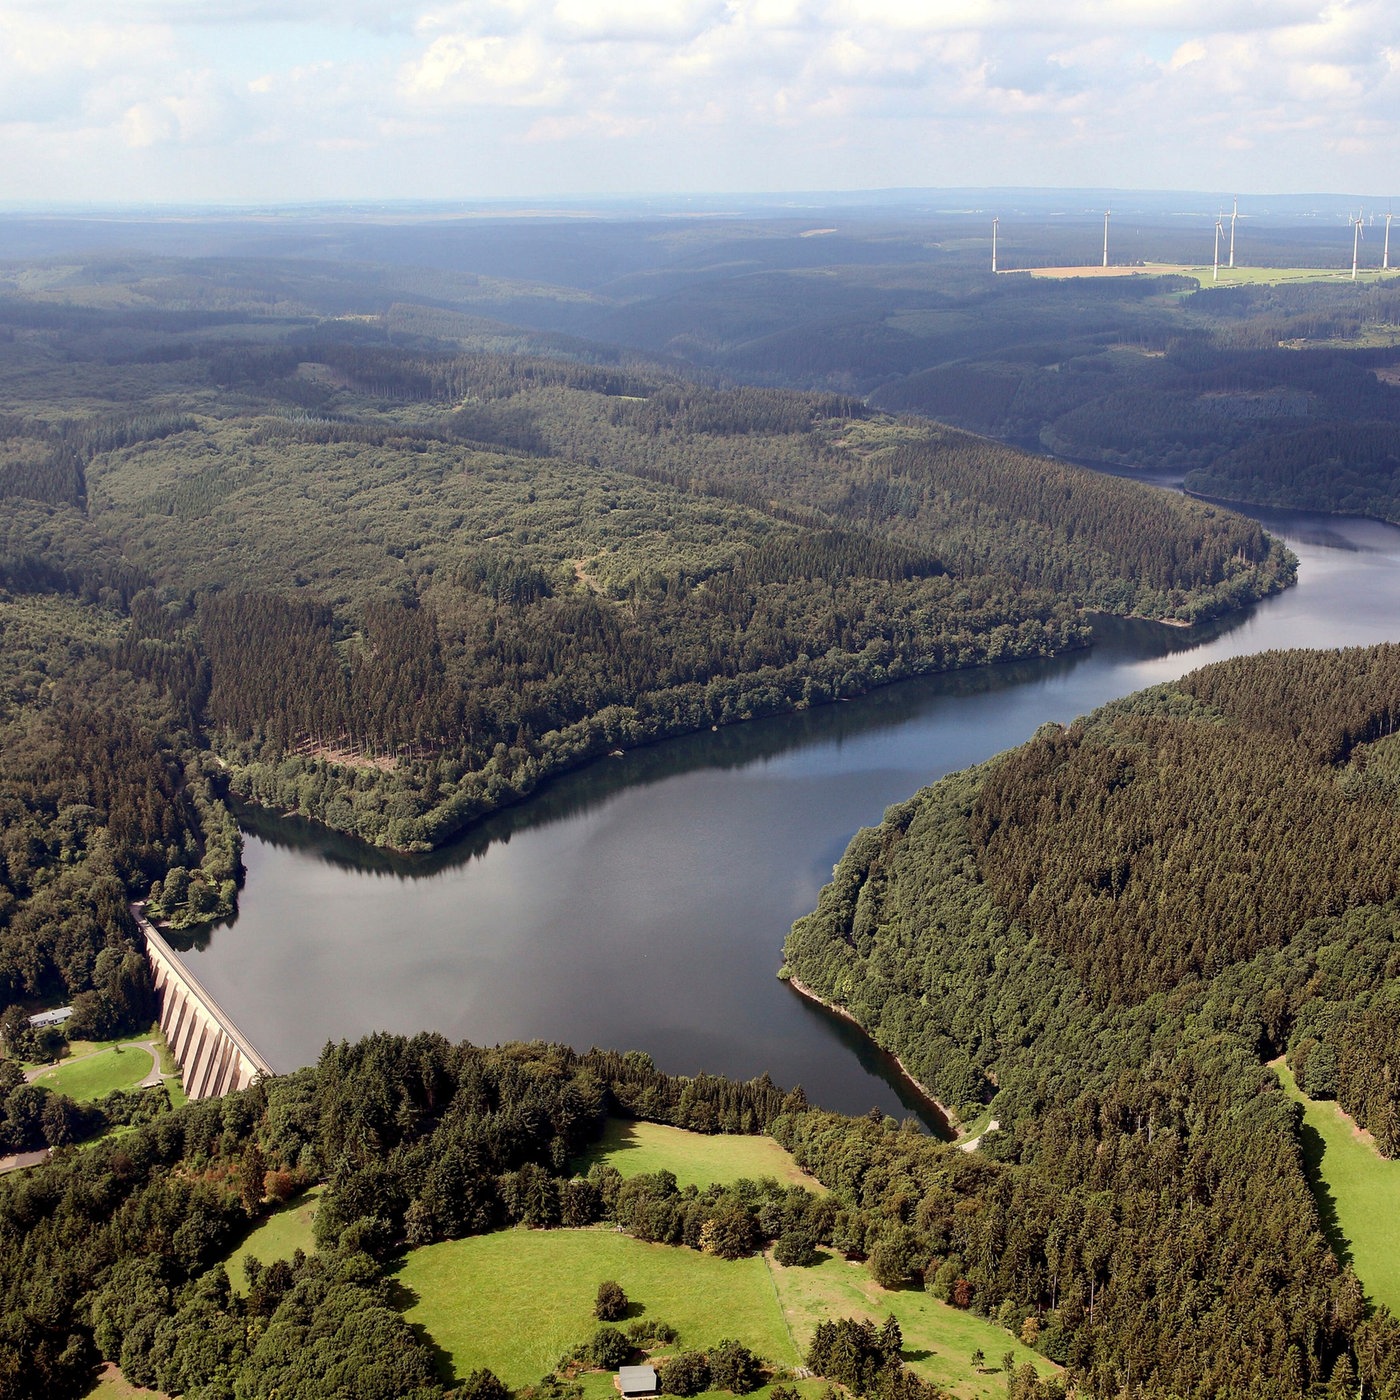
[1314,1149]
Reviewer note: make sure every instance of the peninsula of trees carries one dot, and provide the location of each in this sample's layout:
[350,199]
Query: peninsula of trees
[1103,936]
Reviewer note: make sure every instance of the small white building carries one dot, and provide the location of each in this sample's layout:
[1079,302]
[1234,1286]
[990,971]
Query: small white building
[636,1381]
[56,1017]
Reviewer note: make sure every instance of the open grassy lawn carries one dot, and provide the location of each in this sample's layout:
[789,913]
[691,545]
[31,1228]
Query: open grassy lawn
[938,1339]
[285,1231]
[1229,276]
[518,1299]
[1358,1191]
[95,1076]
[697,1159]
[112,1385]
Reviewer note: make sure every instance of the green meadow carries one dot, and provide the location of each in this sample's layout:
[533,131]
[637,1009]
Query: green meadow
[939,1339]
[1357,1188]
[517,1300]
[286,1230]
[96,1075]
[696,1159]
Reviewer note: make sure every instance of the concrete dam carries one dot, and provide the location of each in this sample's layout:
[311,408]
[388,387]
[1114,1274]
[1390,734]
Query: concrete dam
[214,1056]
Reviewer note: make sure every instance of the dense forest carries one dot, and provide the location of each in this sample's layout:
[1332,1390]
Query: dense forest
[1102,936]
[1282,396]
[391,582]
[1101,1248]
[341,542]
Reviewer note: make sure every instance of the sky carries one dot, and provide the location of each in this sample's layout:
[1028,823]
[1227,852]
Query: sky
[276,101]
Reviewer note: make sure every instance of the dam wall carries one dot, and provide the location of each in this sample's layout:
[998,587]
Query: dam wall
[214,1056]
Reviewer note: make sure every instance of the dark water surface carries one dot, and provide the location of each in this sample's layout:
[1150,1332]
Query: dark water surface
[641,903]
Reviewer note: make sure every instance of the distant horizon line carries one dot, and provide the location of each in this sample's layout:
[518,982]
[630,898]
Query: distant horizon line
[706,203]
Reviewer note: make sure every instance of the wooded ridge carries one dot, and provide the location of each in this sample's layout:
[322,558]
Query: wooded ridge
[1104,935]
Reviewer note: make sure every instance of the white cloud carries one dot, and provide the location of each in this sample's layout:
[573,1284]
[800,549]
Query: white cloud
[793,92]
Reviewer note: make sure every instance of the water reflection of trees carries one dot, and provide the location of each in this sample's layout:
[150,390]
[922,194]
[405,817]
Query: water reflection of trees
[727,748]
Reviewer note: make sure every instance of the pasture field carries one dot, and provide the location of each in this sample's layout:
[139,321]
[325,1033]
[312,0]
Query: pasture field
[285,1231]
[1229,276]
[518,1299]
[697,1159]
[1358,1191]
[95,1075]
[112,1385]
[938,1339]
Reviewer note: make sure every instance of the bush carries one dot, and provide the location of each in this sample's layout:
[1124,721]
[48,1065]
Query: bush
[651,1334]
[483,1385]
[687,1373]
[609,1349]
[611,1303]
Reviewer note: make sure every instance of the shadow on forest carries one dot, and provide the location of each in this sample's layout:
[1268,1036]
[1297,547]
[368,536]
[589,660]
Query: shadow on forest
[1313,1149]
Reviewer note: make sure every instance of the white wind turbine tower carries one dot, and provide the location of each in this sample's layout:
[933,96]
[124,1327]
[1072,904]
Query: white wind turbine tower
[1355,242]
[1235,213]
[1106,213]
[995,222]
[1385,260]
[1219,229]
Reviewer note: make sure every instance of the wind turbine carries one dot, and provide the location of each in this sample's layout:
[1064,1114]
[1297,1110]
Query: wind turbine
[1385,261]
[1233,216]
[995,222]
[1106,213]
[1219,229]
[1355,242]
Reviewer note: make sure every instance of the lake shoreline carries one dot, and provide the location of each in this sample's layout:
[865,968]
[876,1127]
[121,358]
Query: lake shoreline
[951,1121]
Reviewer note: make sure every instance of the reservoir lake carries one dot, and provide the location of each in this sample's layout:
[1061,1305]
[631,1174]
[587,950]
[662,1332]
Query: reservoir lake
[641,902]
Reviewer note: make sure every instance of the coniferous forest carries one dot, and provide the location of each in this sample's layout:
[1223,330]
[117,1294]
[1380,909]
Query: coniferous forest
[1103,936]
[391,582]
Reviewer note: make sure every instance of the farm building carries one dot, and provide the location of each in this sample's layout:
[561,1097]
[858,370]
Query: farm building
[636,1381]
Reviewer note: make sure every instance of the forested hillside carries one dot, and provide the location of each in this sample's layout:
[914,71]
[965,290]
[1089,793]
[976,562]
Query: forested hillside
[114,1252]
[1103,1250]
[1277,396]
[391,583]
[1104,935]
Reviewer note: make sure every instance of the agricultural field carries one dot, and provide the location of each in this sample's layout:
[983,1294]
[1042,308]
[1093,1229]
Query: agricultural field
[1358,1191]
[516,1300]
[696,1159]
[285,1231]
[939,1340]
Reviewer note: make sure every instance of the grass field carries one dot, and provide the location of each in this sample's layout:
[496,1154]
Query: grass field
[1357,1189]
[938,1339]
[518,1299]
[695,1158]
[94,1076]
[285,1231]
[1229,276]
[112,1385]
[515,1301]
